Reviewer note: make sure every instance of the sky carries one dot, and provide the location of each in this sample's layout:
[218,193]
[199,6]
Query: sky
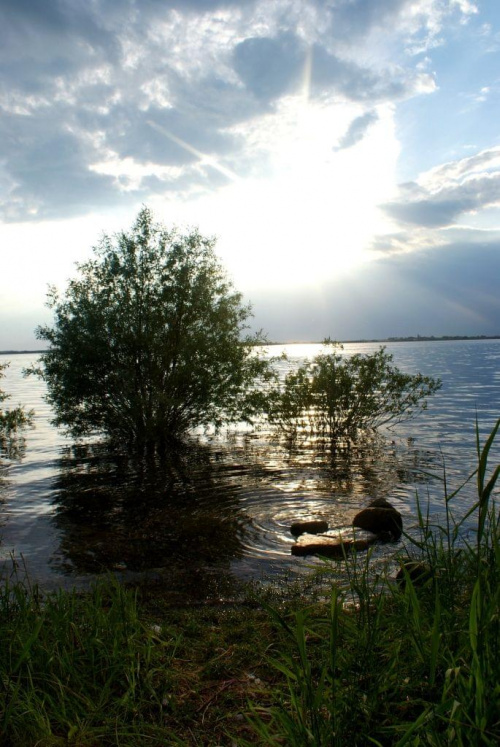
[345,153]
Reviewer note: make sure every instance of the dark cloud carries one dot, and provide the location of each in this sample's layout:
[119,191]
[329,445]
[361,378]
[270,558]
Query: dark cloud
[49,174]
[270,67]
[460,271]
[53,16]
[428,213]
[390,243]
[357,130]
[154,135]
[440,207]
[59,35]
[354,18]
[355,83]
[195,6]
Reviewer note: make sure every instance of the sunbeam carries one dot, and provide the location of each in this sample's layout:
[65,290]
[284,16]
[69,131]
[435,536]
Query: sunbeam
[204,157]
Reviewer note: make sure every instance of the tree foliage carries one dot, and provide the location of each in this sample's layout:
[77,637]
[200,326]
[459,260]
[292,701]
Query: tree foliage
[336,397]
[14,419]
[149,340]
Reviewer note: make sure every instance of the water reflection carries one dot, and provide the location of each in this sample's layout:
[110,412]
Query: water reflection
[209,506]
[3,492]
[12,449]
[224,505]
[114,511]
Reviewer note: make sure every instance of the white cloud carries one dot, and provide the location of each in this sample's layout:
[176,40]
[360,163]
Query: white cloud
[466,7]
[450,174]
[442,195]
[129,175]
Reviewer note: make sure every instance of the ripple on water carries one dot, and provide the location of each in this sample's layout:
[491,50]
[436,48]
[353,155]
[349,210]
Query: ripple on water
[226,504]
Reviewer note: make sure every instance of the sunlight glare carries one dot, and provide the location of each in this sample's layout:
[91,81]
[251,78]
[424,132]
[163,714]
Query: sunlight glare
[312,215]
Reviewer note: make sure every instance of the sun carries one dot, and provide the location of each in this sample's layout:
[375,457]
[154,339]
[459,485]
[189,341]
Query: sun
[313,211]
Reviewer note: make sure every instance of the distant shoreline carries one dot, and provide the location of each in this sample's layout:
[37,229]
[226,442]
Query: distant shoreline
[417,338]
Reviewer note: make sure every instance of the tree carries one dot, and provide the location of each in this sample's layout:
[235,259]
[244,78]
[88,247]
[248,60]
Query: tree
[335,397]
[149,340]
[12,420]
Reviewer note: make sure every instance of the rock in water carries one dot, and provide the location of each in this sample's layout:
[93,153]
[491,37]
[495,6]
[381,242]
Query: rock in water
[309,527]
[383,520]
[334,545]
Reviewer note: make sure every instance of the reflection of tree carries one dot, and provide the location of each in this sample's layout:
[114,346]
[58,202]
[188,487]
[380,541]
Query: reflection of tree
[145,513]
[13,421]
[184,516]
[3,493]
[12,449]
[372,467]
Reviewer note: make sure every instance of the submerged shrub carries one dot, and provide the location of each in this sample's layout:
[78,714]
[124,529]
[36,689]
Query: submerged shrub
[334,397]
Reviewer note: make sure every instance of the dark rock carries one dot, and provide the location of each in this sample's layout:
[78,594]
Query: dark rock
[333,545]
[309,527]
[386,522]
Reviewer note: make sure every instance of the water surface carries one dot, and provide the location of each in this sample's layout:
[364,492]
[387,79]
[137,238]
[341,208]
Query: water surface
[223,507]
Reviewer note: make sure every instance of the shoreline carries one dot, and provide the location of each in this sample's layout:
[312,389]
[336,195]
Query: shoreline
[417,338]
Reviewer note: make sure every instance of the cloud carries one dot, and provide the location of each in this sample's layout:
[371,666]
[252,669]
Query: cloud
[363,83]
[82,83]
[484,162]
[268,67]
[47,170]
[359,18]
[357,130]
[273,67]
[415,24]
[443,194]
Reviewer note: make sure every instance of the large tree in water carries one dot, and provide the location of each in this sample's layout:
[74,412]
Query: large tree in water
[149,340]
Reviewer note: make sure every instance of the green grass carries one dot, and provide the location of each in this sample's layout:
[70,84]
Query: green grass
[415,662]
[80,670]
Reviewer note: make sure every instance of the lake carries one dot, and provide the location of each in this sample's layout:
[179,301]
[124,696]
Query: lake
[222,508]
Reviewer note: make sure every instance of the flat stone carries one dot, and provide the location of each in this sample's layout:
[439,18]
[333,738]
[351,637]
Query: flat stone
[335,544]
[309,527]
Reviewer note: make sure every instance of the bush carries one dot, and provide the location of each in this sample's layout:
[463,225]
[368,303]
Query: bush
[335,397]
[148,341]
